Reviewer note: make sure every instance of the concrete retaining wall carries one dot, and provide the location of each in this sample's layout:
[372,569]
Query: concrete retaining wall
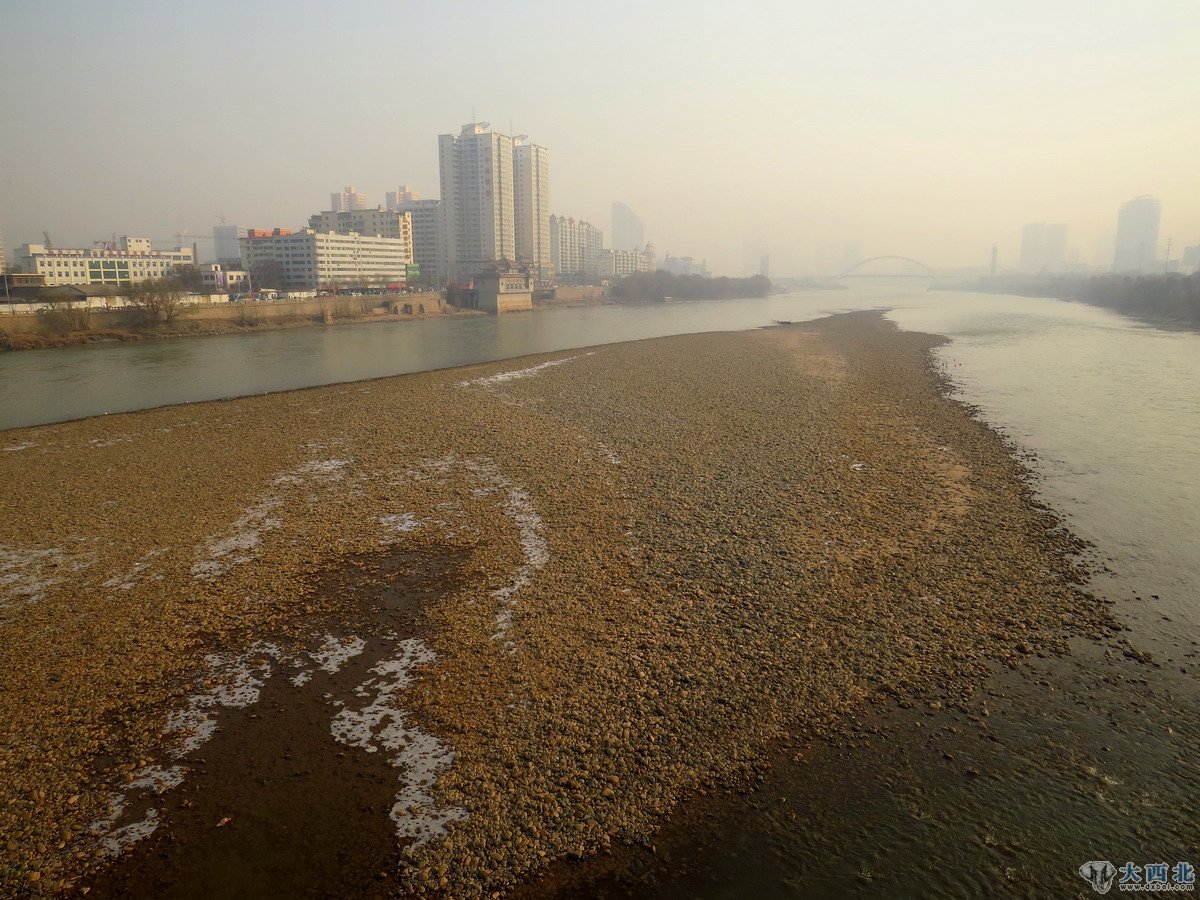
[22,318]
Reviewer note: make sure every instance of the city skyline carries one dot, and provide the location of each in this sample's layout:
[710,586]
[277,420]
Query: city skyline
[918,154]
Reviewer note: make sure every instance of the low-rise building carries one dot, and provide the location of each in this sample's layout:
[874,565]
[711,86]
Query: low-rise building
[132,260]
[310,260]
[504,286]
[217,278]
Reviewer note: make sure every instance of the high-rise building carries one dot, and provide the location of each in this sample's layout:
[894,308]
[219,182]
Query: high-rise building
[1043,247]
[1137,235]
[531,207]
[476,168]
[429,239]
[226,243]
[3,258]
[575,248]
[1191,258]
[627,232]
[403,195]
[347,200]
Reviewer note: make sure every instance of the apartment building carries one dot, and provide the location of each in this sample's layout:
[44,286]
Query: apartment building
[310,260]
[531,207]
[476,172]
[616,263]
[575,247]
[130,261]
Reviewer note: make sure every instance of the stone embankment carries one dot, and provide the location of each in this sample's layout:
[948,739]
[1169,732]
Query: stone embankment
[27,330]
[533,606]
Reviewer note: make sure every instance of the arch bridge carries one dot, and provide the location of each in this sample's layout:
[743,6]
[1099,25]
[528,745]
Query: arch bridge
[853,271]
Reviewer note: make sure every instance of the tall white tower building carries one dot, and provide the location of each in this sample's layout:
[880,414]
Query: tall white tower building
[477,192]
[531,206]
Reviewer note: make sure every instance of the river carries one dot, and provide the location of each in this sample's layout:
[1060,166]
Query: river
[1091,757]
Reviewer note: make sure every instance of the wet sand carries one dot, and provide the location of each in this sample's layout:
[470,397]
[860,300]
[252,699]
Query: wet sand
[626,576]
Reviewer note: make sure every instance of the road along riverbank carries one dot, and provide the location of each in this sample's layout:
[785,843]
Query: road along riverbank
[554,597]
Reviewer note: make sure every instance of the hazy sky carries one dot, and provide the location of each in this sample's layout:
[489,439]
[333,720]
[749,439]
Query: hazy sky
[921,128]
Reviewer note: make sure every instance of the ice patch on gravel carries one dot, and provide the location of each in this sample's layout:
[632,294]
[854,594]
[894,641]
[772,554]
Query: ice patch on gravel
[108,442]
[15,448]
[398,524]
[220,555]
[518,506]
[236,680]
[502,377]
[116,842]
[231,681]
[335,652]
[609,453]
[382,725]
[128,581]
[26,574]
[241,546]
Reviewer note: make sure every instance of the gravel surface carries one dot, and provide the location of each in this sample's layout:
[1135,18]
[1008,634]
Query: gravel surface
[667,555]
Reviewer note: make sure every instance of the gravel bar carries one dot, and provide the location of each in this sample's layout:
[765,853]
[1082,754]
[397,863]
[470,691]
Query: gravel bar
[515,612]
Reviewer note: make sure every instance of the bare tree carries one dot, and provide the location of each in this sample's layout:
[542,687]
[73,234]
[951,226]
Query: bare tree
[157,300]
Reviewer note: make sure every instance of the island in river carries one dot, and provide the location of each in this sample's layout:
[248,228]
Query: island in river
[437,631]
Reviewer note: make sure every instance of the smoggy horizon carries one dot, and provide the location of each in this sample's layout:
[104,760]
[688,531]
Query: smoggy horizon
[931,130]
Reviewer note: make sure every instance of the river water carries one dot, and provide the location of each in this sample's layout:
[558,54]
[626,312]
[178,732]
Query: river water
[1092,757]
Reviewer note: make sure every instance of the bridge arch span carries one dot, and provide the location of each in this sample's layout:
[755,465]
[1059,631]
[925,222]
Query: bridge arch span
[915,262]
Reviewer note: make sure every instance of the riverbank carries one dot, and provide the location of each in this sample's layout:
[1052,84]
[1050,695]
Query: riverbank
[31,331]
[1169,302]
[651,562]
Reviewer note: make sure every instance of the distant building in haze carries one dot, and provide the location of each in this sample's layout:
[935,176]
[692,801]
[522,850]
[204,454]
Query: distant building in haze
[685,265]
[476,170]
[395,199]
[531,207]
[1137,235]
[618,263]
[226,243]
[627,232]
[1191,258]
[349,199]
[1043,247]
